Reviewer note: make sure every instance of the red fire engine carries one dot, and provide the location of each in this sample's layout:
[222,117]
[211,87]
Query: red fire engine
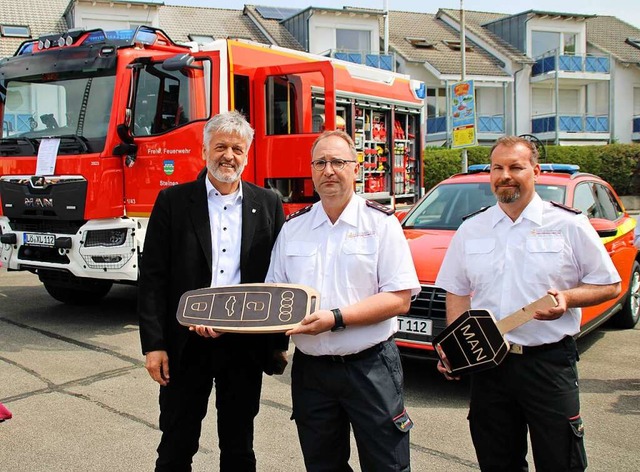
[96,123]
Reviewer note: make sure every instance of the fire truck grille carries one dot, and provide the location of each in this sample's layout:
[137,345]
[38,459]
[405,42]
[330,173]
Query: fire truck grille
[46,226]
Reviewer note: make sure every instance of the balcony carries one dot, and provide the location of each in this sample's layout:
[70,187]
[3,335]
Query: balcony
[371,59]
[571,124]
[571,69]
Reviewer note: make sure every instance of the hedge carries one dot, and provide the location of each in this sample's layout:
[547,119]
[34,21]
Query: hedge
[618,164]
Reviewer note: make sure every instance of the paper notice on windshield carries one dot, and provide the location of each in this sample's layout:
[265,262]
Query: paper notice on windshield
[47,155]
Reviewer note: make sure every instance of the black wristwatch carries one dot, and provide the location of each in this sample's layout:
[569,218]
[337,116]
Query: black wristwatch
[339,324]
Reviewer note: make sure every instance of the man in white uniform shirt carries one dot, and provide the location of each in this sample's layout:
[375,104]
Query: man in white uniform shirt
[346,367]
[501,259]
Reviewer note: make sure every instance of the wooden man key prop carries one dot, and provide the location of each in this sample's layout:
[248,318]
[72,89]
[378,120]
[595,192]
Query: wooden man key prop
[248,308]
[475,341]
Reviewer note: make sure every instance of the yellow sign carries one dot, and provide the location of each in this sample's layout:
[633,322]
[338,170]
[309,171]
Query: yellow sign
[464,136]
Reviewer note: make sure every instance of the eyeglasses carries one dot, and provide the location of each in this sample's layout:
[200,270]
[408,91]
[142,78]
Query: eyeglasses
[336,164]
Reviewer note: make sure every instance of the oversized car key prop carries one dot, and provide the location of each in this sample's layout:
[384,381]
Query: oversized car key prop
[475,341]
[248,308]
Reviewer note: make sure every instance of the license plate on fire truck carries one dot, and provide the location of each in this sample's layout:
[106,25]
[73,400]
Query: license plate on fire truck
[417,326]
[39,239]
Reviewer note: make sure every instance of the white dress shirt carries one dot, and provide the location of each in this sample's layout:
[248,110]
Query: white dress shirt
[225,219]
[505,265]
[362,254]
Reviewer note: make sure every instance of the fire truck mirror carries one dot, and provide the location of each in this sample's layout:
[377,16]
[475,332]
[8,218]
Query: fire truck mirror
[179,62]
[124,133]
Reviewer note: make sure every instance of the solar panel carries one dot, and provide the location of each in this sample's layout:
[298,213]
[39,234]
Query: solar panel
[276,13]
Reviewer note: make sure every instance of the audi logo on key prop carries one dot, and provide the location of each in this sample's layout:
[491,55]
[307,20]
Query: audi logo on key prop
[286,305]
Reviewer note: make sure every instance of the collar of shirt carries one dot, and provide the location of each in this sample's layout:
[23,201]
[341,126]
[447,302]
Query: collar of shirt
[213,192]
[349,215]
[532,212]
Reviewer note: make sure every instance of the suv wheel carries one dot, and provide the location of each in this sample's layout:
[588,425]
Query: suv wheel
[628,317]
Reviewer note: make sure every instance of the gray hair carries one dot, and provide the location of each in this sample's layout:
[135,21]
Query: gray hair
[340,134]
[232,122]
[512,141]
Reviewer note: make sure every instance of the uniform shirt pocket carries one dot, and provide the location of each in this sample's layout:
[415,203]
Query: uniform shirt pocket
[543,259]
[479,255]
[301,263]
[360,258]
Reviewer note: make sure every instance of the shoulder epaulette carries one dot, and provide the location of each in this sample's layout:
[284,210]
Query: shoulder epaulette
[301,211]
[477,212]
[380,207]
[565,207]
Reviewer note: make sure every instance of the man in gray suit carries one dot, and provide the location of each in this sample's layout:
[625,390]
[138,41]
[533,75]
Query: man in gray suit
[216,230]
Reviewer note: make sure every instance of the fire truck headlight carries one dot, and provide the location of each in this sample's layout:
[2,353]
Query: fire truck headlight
[106,237]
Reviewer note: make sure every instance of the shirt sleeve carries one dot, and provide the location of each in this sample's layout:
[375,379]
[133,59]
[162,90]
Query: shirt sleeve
[594,263]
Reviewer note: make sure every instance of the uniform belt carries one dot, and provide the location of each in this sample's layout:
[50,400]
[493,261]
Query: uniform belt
[350,357]
[523,350]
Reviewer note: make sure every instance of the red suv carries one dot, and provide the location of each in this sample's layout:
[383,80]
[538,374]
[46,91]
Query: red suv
[431,223]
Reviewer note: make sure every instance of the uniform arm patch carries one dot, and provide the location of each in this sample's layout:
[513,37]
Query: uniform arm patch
[380,207]
[565,207]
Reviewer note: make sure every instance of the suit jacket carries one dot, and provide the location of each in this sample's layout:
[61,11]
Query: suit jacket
[177,258]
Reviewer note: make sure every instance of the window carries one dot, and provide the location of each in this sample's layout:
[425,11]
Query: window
[548,42]
[201,39]
[543,42]
[436,102]
[584,200]
[167,99]
[353,40]
[421,43]
[14,31]
[281,105]
[66,105]
[569,43]
[596,201]
[456,45]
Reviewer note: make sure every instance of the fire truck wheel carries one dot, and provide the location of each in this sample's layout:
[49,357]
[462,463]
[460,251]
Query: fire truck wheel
[84,293]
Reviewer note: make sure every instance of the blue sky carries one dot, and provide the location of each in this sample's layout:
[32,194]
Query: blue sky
[627,10]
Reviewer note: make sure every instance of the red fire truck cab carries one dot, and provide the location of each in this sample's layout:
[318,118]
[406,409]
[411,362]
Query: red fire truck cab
[96,123]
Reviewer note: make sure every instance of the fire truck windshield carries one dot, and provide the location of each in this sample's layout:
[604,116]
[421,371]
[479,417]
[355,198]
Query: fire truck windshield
[70,106]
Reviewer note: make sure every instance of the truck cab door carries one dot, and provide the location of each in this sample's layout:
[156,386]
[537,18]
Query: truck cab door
[170,102]
[294,103]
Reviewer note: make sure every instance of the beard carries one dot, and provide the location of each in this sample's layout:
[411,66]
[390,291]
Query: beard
[218,172]
[507,195]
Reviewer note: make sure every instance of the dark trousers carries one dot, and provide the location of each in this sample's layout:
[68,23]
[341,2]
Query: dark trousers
[329,395]
[535,391]
[183,406]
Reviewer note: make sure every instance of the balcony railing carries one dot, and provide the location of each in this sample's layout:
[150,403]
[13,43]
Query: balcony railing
[571,63]
[571,124]
[491,124]
[636,124]
[486,124]
[437,125]
[367,58]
